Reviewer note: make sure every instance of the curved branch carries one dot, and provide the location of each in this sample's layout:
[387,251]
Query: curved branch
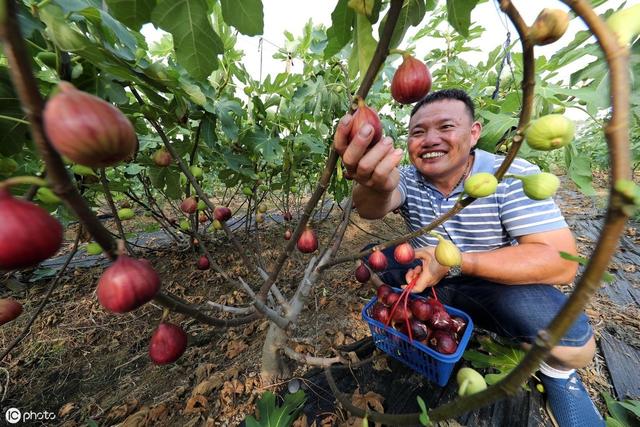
[323,362]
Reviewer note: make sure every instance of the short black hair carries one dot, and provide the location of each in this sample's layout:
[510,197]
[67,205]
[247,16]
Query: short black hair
[443,94]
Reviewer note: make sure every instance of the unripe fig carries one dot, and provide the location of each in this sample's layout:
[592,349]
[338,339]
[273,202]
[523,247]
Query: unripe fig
[189,205]
[548,27]
[168,343]
[262,208]
[247,191]
[539,186]
[127,284]
[362,273]
[48,197]
[362,116]
[8,166]
[203,263]
[222,213]
[217,225]
[93,248]
[196,172]
[83,170]
[625,23]
[201,205]
[9,310]
[404,253]
[259,218]
[162,158]
[287,216]
[447,253]
[411,81]
[87,129]
[28,234]
[308,241]
[481,184]
[550,132]
[287,234]
[378,261]
[126,213]
[470,382]
[185,225]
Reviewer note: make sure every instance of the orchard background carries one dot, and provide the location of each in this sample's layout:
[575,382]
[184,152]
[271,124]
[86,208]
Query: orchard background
[257,311]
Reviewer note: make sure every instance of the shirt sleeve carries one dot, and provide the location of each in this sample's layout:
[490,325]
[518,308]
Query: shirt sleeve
[521,215]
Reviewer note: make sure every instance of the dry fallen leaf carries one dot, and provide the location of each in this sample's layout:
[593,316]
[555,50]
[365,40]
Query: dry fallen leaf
[66,409]
[301,421]
[138,419]
[196,404]
[157,414]
[234,348]
[121,411]
[205,387]
[370,400]
[204,370]
[381,364]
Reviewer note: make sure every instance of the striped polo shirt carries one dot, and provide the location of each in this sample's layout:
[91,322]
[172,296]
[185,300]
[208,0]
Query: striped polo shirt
[488,223]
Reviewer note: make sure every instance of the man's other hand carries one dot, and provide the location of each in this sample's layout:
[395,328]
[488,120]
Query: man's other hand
[374,168]
[429,273]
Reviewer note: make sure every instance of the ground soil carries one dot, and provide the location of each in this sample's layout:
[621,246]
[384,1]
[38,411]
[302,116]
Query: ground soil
[85,364]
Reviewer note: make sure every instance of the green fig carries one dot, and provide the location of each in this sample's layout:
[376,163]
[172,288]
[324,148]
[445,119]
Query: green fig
[185,225]
[83,170]
[481,184]
[48,197]
[247,191]
[8,166]
[196,172]
[539,186]
[625,23]
[126,213]
[470,382]
[93,248]
[549,26]
[201,205]
[447,253]
[550,132]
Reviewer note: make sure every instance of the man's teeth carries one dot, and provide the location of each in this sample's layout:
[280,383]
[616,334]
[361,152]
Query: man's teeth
[432,155]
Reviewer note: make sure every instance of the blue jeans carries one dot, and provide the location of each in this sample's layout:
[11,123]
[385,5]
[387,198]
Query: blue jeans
[516,312]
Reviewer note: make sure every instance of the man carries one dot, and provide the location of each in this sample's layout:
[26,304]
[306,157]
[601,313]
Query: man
[510,244]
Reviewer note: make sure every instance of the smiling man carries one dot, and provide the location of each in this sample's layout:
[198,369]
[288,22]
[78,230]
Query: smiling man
[510,244]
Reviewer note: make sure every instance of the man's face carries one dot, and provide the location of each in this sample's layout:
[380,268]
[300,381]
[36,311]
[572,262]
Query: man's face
[441,135]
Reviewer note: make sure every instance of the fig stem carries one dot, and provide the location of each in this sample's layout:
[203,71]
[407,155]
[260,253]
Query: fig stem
[398,51]
[17,180]
[165,313]
[122,250]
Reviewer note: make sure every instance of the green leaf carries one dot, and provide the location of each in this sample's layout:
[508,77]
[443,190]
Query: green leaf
[619,412]
[208,130]
[132,13]
[339,34]
[272,415]
[225,111]
[495,125]
[632,405]
[424,416]
[580,173]
[606,276]
[500,358]
[13,134]
[365,45]
[195,42]
[459,14]
[246,15]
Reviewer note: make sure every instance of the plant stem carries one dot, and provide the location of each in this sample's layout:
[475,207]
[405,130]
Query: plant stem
[18,180]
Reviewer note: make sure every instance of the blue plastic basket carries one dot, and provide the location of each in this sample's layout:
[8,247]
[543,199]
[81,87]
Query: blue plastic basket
[437,367]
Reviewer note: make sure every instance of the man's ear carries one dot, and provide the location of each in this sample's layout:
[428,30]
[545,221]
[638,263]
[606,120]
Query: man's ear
[476,131]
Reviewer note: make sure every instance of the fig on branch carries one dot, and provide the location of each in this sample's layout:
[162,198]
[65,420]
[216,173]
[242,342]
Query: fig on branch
[87,129]
[308,241]
[362,273]
[378,261]
[404,253]
[201,205]
[189,205]
[28,234]
[447,253]
[162,158]
[287,234]
[93,248]
[216,225]
[9,310]
[539,186]
[362,116]
[481,184]
[185,225]
[196,171]
[550,132]
[126,213]
[203,263]
[127,284]
[48,197]
[411,81]
[625,23]
[548,27]
[167,344]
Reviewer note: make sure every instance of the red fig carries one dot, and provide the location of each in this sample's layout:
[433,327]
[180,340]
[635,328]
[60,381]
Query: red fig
[457,325]
[9,310]
[127,284]
[28,234]
[440,320]
[443,342]
[202,218]
[162,158]
[380,313]
[419,330]
[391,299]
[411,82]
[362,116]
[377,261]
[222,213]
[421,309]
[287,216]
[87,129]
[308,241]
[401,314]
[287,234]
[383,292]
[203,263]
[404,253]
[362,273]
[189,205]
[168,343]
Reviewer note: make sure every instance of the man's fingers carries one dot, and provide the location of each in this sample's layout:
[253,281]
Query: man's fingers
[357,147]
[341,137]
[369,162]
[384,169]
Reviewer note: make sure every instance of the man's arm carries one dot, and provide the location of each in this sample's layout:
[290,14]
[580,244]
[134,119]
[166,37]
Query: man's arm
[536,259]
